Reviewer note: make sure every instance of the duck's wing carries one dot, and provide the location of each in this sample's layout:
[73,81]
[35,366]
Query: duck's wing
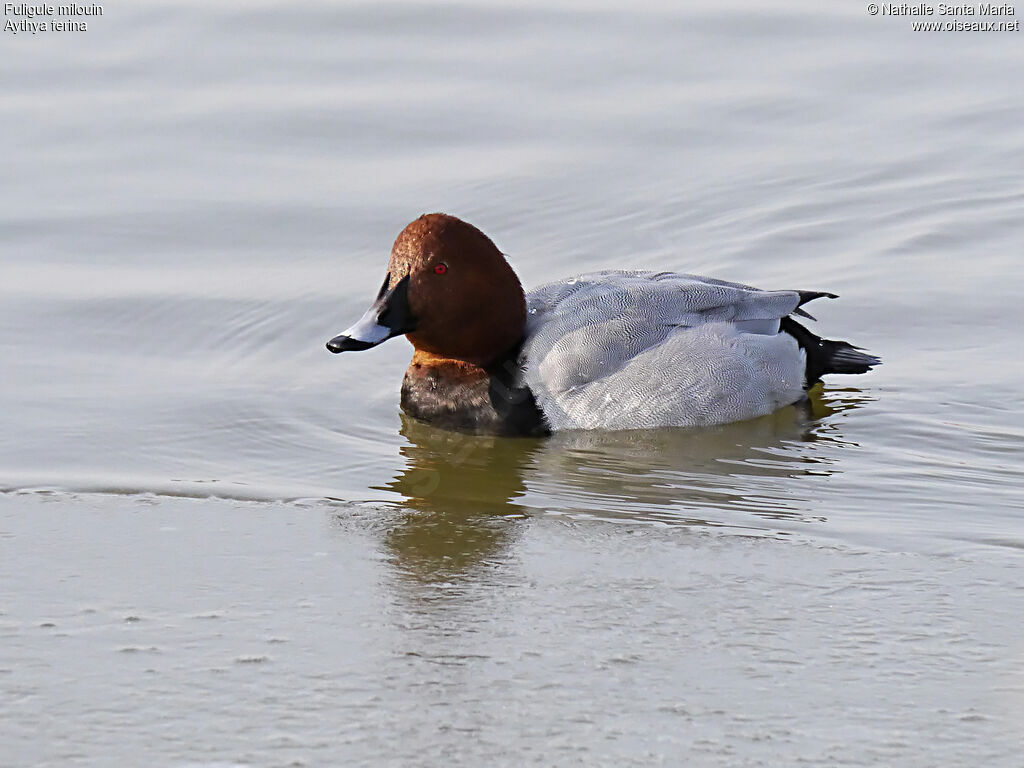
[651,342]
[664,299]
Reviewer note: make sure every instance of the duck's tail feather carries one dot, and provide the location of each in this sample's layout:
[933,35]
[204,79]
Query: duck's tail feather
[806,296]
[826,356]
[847,358]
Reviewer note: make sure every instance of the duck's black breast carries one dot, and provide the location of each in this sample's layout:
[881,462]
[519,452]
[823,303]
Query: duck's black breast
[459,396]
[512,400]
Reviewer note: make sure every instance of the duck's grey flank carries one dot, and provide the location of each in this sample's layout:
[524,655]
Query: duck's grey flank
[633,349]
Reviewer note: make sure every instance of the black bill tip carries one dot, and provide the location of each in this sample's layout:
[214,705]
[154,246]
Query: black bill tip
[347,344]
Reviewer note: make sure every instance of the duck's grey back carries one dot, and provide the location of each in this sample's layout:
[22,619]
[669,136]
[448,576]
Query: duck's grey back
[631,350]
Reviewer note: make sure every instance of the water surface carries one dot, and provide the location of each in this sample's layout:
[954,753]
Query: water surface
[220,544]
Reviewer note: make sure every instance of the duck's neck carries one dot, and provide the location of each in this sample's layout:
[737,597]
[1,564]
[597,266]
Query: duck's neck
[470,397]
[423,359]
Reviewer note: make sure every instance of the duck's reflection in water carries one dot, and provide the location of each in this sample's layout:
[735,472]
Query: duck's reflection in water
[460,494]
[464,496]
[729,475]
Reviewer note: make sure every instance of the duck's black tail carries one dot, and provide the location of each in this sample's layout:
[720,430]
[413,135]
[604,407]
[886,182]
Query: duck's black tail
[827,356]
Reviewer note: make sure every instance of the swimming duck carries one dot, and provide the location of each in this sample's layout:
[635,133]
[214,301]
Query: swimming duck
[605,350]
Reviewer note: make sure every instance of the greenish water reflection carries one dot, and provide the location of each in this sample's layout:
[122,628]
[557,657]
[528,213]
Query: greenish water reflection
[463,497]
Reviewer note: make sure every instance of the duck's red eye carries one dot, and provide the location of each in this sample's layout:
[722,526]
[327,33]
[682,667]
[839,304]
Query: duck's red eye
[441,268]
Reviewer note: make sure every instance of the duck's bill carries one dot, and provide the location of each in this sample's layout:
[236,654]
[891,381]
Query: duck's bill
[389,316]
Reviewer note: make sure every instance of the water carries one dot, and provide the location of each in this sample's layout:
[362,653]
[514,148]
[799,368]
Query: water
[221,545]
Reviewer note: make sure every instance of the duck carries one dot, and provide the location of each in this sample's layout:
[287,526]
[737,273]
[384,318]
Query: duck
[606,350]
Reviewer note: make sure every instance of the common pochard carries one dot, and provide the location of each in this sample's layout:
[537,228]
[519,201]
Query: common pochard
[604,350]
